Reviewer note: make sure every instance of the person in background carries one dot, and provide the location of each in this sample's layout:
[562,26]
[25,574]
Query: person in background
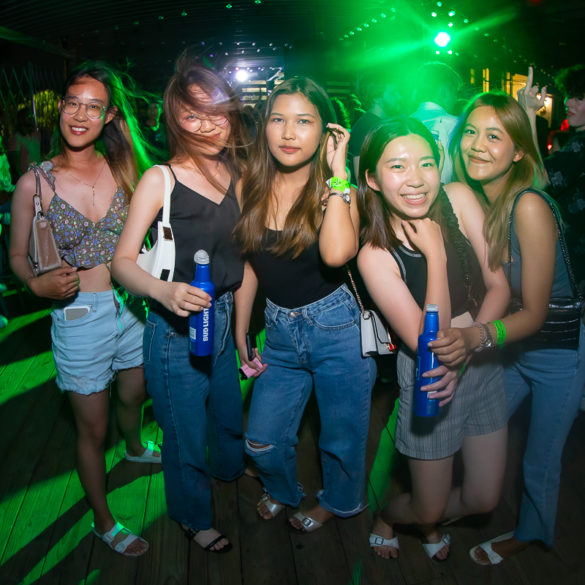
[24,147]
[381,94]
[154,130]
[196,401]
[566,167]
[96,331]
[435,97]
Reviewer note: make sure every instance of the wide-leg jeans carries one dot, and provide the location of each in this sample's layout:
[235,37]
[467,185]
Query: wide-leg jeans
[554,379]
[198,405]
[314,346]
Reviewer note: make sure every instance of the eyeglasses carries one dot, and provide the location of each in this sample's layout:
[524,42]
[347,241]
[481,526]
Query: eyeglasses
[197,121]
[94,110]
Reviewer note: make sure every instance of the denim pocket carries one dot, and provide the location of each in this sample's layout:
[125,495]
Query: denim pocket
[148,340]
[338,316]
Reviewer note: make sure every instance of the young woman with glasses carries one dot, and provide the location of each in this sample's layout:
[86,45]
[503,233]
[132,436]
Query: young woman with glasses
[196,402]
[96,331]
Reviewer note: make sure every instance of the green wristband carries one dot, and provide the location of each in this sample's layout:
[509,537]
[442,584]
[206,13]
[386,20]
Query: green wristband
[337,184]
[500,332]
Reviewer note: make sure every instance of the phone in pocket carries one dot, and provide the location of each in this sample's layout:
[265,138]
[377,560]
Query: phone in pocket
[73,313]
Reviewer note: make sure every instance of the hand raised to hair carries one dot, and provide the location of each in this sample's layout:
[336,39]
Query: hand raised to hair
[531,97]
[337,149]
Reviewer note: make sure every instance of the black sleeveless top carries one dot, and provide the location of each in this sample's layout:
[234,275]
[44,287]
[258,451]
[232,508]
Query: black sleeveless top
[200,224]
[293,282]
[413,269]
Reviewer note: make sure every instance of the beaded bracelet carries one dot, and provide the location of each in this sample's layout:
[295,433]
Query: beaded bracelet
[500,332]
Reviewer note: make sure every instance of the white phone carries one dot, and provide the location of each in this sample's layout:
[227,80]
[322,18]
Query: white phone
[73,313]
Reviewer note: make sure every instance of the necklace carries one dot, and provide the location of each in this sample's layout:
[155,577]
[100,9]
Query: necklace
[92,185]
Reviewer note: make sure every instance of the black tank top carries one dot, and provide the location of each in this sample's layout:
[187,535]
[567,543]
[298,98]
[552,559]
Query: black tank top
[293,282]
[413,269]
[200,224]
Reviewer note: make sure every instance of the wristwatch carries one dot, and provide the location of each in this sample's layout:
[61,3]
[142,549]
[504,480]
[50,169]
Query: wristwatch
[485,337]
[339,188]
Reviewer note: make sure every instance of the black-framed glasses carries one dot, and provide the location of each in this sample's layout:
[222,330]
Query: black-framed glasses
[94,110]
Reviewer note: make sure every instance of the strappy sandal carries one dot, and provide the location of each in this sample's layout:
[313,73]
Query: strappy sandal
[273,507]
[191,534]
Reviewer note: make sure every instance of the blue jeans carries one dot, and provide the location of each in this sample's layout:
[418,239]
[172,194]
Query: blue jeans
[198,405]
[318,346]
[554,379]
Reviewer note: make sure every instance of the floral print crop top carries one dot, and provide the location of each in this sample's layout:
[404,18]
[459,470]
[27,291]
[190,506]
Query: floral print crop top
[81,242]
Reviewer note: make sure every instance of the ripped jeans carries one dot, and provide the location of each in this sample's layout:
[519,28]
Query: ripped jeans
[314,346]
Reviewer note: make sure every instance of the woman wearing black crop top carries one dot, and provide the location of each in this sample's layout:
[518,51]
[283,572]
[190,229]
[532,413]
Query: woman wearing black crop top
[312,320]
[424,244]
[197,403]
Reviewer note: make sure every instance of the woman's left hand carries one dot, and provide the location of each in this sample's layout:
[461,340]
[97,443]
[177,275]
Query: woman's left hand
[452,346]
[444,388]
[531,97]
[337,149]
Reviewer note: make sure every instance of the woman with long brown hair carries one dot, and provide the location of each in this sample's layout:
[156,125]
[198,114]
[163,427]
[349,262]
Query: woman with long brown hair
[497,156]
[196,402]
[296,251]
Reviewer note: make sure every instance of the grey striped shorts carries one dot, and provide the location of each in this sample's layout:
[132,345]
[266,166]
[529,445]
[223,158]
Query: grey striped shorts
[478,408]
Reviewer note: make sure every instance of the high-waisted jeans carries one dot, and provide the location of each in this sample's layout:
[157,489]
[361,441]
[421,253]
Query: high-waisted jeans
[198,405]
[314,346]
[554,379]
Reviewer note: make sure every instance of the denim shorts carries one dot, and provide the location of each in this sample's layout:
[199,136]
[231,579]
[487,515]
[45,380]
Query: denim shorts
[91,348]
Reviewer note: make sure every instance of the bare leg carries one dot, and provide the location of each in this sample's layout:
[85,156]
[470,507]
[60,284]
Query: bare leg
[131,394]
[484,462]
[91,418]
[431,486]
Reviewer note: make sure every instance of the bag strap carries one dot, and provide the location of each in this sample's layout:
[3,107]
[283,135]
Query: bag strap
[37,197]
[357,295]
[561,235]
[166,196]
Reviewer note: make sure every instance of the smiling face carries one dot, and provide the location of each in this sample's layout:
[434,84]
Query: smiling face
[576,113]
[215,129]
[487,150]
[407,176]
[294,130]
[80,130]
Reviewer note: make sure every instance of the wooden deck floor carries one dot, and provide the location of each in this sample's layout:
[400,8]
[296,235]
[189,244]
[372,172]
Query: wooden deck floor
[44,518]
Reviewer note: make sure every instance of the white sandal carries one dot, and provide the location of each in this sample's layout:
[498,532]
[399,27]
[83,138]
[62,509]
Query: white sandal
[151,455]
[377,541]
[121,547]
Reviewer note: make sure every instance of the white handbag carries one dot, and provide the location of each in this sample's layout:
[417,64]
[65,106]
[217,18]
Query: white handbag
[160,259]
[375,335]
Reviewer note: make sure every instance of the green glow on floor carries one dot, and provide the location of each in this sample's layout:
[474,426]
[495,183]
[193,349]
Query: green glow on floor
[22,321]
[383,465]
[23,375]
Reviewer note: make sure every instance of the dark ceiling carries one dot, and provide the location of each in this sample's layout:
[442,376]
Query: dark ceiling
[299,34]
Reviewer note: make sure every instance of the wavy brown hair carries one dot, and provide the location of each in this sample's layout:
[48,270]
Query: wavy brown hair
[304,218]
[525,173]
[221,101]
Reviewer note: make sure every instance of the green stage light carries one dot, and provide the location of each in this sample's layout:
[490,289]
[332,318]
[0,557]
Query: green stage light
[442,39]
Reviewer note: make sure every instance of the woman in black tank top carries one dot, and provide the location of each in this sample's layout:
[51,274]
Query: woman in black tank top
[423,243]
[197,402]
[296,251]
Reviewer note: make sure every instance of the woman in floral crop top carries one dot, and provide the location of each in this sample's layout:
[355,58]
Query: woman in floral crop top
[96,334]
